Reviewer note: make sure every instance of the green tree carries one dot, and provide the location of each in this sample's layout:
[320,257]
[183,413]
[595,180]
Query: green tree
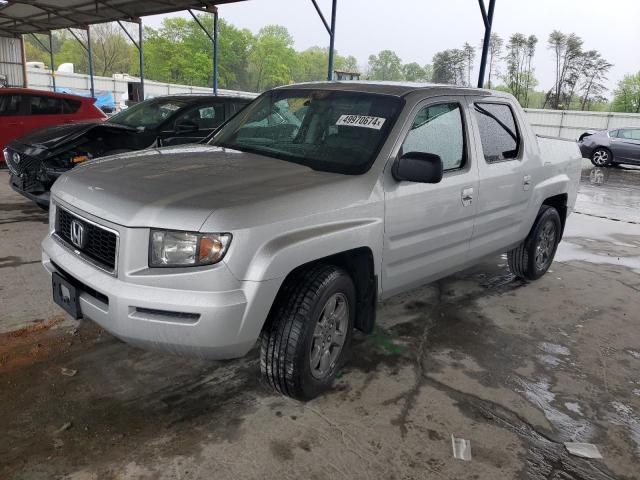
[181,52]
[595,71]
[495,51]
[469,57]
[272,59]
[627,94]
[449,66]
[413,72]
[349,63]
[568,52]
[386,65]
[519,76]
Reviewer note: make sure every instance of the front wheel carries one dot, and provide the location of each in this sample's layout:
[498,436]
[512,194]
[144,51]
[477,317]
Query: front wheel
[601,157]
[309,331]
[533,257]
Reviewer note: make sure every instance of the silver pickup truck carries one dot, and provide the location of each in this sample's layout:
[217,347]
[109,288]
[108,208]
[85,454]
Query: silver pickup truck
[304,210]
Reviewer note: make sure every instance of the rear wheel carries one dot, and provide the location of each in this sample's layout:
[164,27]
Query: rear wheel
[309,331]
[601,157]
[533,257]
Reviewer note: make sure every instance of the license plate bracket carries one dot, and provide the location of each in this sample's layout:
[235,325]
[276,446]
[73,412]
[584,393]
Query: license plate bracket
[66,295]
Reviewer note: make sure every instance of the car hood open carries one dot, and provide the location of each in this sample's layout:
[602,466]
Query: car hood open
[180,187]
[49,138]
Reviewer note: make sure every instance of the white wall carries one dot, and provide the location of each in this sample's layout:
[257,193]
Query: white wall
[42,80]
[570,124]
[11,61]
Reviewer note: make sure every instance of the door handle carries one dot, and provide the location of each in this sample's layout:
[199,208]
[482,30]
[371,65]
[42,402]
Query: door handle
[467,196]
[526,182]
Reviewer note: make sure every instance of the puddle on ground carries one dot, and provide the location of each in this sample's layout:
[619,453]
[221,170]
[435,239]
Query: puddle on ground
[573,407]
[549,360]
[553,348]
[600,241]
[539,394]
[624,415]
[634,354]
[610,192]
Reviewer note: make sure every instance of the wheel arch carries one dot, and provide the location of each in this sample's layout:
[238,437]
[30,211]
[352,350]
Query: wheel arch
[359,264]
[559,202]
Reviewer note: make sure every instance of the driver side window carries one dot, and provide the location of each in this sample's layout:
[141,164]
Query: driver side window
[438,129]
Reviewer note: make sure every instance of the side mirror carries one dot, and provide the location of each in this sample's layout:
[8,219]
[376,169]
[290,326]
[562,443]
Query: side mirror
[418,167]
[186,127]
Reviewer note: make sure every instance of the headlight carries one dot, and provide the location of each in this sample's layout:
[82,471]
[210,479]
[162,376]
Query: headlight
[169,248]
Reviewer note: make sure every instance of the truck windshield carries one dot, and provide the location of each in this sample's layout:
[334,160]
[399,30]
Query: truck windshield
[148,114]
[334,131]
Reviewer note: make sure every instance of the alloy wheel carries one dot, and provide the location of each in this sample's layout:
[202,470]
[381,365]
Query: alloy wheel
[329,335]
[601,158]
[545,243]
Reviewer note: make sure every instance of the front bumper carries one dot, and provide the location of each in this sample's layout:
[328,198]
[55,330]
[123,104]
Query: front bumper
[40,197]
[169,311]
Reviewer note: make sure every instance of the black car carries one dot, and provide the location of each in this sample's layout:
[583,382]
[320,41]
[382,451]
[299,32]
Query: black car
[36,160]
[611,147]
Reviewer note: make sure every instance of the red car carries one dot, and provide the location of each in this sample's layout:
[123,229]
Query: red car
[23,110]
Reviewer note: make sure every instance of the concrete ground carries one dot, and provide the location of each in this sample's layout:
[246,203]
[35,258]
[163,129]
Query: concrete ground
[517,369]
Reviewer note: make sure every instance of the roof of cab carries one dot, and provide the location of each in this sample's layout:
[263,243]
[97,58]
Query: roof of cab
[398,89]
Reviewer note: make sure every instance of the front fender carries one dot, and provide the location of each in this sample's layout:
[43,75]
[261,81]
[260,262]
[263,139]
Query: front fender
[282,253]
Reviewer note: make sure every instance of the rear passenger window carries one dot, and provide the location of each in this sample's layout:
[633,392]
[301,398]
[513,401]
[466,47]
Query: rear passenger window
[45,105]
[438,129]
[9,105]
[629,134]
[70,106]
[498,131]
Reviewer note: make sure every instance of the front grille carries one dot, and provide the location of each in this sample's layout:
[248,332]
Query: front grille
[25,164]
[100,244]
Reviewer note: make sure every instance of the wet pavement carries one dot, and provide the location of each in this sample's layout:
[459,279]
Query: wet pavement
[515,368]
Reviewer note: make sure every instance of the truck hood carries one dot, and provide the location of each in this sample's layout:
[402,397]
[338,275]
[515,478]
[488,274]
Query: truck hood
[180,187]
[45,139]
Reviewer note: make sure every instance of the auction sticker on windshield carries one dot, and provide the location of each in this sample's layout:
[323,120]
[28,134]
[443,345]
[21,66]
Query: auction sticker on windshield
[361,121]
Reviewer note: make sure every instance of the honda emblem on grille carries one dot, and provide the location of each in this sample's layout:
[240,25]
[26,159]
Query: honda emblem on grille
[77,234]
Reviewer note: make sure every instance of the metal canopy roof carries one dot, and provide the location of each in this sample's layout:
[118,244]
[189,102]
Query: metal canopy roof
[32,16]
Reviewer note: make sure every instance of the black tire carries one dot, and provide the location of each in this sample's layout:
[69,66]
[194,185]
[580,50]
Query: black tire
[287,339]
[522,259]
[602,157]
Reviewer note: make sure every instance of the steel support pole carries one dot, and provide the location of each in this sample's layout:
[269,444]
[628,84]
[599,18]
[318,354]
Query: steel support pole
[53,64]
[25,81]
[140,57]
[332,38]
[488,23]
[215,51]
[90,54]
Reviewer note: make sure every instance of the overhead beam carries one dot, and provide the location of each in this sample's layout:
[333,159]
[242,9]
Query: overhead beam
[92,12]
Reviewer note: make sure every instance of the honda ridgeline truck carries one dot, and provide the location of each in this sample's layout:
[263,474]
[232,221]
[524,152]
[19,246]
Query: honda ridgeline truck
[300,213]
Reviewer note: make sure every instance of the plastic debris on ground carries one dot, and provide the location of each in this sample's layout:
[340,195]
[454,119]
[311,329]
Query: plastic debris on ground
[68,372]
[461,448]
[64,427]
[584,450]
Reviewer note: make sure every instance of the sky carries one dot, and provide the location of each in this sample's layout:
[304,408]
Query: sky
[417,29]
